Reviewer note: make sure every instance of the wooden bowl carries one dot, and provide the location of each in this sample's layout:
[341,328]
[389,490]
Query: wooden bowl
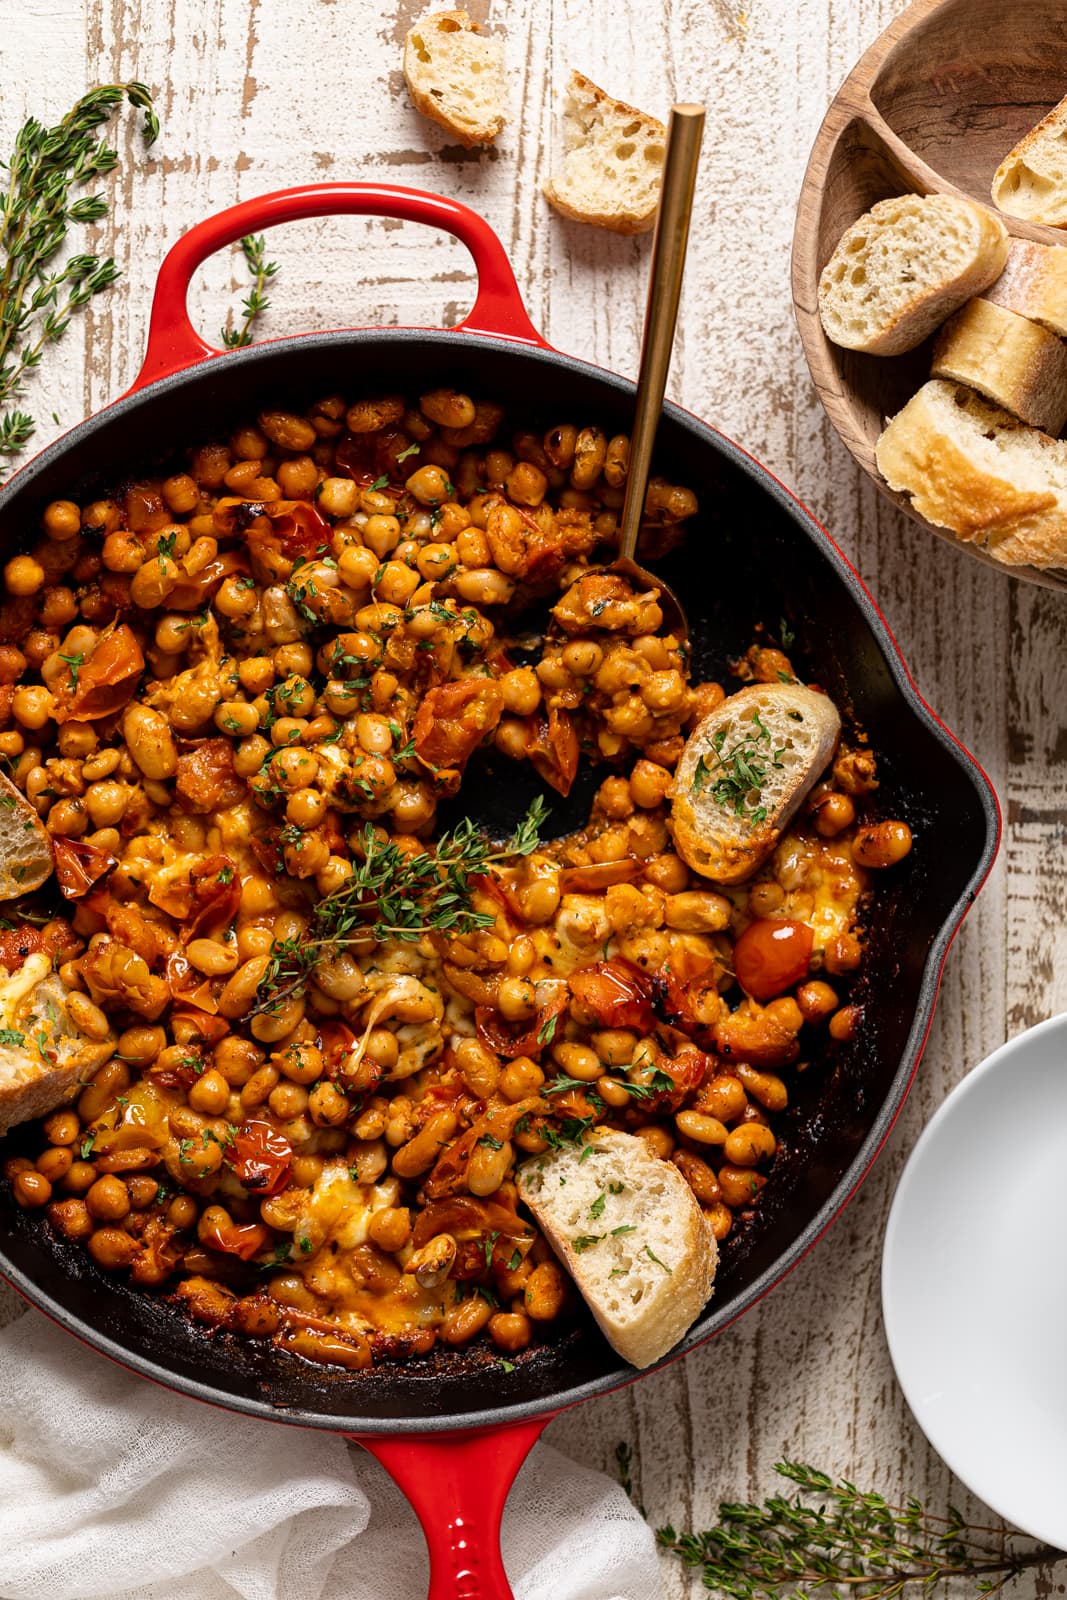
[933,107]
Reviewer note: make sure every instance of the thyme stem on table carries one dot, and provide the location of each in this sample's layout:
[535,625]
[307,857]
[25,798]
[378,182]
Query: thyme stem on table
[254,250]
[39,294]
[834,1539]
[394,896]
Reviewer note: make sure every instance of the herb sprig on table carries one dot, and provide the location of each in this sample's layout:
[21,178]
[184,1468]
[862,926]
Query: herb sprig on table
[40,202]
[391,895]
[261,271]
[834,1539]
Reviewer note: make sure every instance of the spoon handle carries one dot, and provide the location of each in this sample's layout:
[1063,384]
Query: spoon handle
[684,133]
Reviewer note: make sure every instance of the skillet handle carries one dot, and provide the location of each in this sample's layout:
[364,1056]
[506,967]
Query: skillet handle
[458,1483]
[173,342]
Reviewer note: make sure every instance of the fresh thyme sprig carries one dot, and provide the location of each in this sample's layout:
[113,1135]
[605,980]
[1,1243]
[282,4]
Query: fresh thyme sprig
[393,896]
[38,298]
[254,249]
[736,774]
[848,1542]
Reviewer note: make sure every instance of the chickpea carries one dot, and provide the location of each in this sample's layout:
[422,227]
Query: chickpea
[579,1061]
[62,520]
[724,1098]
[740,1186]
[516,999]
[32,706]
[843,954]
[210,1093]
[786,1013]
[368,416]
[697,911]
[540,899]
[844,1023]
[484,587]
[520,1078]
[327,1106]
[71,1219]
[82,1176]
[510,1331]
[106,803]
[31,1189]
[881,844]
[338,497]
[665,691]
[108,1200]
[139,1046]
[833,813]
[448,408]
[23,575]
[62,1127]
[390,1229]
[112,1248]
[615,1046]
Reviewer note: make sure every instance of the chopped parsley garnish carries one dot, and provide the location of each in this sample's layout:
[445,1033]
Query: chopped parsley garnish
[412,450]
[74,662]
[547,1031]
[736,776]
[786,634]
[596,1210]
[11,1036]
[649,1252]
[490,1143]
[383,481]
[584,1240]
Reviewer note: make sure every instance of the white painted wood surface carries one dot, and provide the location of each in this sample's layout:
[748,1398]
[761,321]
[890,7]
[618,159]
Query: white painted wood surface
[257,95]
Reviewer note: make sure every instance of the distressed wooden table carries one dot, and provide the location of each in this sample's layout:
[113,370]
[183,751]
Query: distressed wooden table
[275,92]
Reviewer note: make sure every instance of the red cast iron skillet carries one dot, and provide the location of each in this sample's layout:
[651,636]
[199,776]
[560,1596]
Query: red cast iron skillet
[454,1428]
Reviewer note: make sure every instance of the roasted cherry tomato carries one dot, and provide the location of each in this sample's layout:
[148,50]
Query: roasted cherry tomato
[244,1239]
[453,719]
[616,995]
[552,749]
[262,1158]
[772,955]
[104,680]
[79,866]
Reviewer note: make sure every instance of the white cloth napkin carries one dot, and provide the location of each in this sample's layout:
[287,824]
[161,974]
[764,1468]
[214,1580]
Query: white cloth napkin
[110,1486]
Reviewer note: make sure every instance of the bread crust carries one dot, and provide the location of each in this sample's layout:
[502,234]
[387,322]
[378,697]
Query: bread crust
[25,848]
[1012,188]
[1034,283]
[615,217]
[1012,361]
[467,130]
[671,1304]
[952,486]
[927,307]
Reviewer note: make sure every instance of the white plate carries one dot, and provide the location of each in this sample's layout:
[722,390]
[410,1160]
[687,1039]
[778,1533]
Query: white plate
[974,1281]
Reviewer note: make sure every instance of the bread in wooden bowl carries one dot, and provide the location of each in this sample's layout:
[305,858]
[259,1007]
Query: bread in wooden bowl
[1031,181]
[974,469]
[933,107]
[904,266]
[612,161]
[1034,284]
[455,76]
[1012,361]
[628,1228]
[45,1055]
[782,736]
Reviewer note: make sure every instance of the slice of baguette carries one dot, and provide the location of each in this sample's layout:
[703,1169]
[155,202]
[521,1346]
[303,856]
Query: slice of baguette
[972,468]
[455,75]
[1031,181]
[44,1057]
[1012,361]
[628,1228]
[25,851]
[612,161]
[1034,283]
[905,266]
[790,733]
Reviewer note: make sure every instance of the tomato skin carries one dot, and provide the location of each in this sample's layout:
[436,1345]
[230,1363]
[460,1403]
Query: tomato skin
[453,719]
[772,955]
[106,678]
[262,1158]
[616,994]
[79,866]
[244,1239]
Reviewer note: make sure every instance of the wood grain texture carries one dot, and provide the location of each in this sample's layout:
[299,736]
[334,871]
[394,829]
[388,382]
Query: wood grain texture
[274,92]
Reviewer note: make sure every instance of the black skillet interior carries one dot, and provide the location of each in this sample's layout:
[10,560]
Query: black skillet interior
[752,556]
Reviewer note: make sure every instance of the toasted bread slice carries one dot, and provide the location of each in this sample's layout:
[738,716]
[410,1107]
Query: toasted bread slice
[905,266]
[1031,181]
[972,468]
[628,1228]
[455,75]
[25,850]
[1011,360]
[612,162]
[781,735]
[1034,283]
[44,1056]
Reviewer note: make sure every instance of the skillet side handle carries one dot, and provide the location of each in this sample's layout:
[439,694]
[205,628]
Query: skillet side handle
[458,1483]
[173,342]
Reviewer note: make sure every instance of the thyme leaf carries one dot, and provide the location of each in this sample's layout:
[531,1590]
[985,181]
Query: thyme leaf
[261,271]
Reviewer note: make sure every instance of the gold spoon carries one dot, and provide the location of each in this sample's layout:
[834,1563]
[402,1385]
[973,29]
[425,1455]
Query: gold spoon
[684,133]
